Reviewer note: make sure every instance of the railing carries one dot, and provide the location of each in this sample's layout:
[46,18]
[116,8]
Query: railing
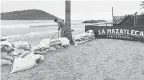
[129,20]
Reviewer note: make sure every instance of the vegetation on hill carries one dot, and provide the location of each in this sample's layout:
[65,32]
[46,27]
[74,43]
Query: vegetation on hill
[32,14]
[94,21]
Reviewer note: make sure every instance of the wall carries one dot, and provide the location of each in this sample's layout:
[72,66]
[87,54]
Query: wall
[113,32]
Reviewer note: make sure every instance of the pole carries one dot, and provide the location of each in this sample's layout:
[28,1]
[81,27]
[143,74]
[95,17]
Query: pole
[112,17]
[135,18]
[68,21]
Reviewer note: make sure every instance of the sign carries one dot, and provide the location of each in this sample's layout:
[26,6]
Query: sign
[117,32]
[123,33]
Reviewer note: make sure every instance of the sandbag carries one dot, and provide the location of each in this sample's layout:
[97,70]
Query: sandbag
[49,45]
[40,48]
[17,52]
[46,45]
[43,51]
[77,37]
[5,62]
[3,39]
[6,56]
[6,50]
[5,43]
[25,54]
[54,42]
[84,36]
[45,42]
[22,45]
[52,49]
[64,41]
[42,45]
[6,46]
[27,62]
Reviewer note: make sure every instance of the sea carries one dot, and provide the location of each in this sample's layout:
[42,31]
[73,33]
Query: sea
[33,27]
[12,28]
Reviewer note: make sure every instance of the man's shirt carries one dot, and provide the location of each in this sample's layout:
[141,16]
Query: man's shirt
[61,24]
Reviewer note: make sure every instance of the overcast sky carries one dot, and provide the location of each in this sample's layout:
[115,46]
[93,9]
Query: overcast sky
[81,9]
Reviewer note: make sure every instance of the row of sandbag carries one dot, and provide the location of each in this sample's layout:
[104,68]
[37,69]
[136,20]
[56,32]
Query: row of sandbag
[22,56]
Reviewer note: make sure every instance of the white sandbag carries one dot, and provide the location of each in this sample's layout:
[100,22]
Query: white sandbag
[24,54]
[6,46]
[64,41]
[54,42]
[90,31]
[43,44]
[57,47]
[36,47]
[40,47]
[84,36]
[27,62]
[17,52]
[22,45]
[5,43]
[44,51]
[46,45]
[5,62]
[77,37]
[5,55]
[51,49]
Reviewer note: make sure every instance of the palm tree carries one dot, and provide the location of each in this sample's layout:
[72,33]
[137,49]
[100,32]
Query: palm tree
[142,4]
[68,33]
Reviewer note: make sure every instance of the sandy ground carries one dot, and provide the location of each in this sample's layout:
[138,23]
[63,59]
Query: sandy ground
[100,59]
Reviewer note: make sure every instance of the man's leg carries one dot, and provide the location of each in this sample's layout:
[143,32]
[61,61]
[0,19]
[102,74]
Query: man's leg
[62,33]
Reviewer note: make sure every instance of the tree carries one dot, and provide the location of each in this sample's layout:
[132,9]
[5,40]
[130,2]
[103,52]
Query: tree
[142,4]
[68,33]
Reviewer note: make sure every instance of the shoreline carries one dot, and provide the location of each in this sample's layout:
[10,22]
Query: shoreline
[35,37]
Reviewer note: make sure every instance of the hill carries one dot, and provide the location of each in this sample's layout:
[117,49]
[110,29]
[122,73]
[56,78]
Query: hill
[32,14]
[94,21]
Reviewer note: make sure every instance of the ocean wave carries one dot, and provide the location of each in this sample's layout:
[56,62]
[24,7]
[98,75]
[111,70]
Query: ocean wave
[27,25]
[36,33]
[14,26]
[31,34]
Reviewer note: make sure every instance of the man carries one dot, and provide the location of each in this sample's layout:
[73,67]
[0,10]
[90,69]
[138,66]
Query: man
[61,27]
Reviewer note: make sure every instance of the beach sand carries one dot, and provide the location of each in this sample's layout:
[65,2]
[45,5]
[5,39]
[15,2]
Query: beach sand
[35,37]
[100,59]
